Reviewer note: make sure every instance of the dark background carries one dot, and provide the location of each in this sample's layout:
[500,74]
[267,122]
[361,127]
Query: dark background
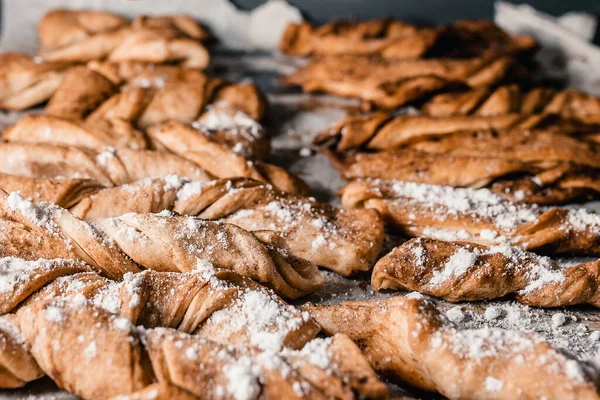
[421,11]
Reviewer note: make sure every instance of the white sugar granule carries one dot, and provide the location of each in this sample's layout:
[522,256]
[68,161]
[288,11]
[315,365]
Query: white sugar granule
[492,313]
[558,320]
[90,350]
[493,385]
[106,155]
[192,189]
[242,379]
[54,314]
[455,314]
[457,265]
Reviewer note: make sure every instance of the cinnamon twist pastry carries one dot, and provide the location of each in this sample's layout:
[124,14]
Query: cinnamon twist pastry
[508,99]
[227,113]
[181,151]
[165,362]
[76,36]
[109,167]
[466,272]
[161,242]
[475,216]
[390,38]
[385,37]
[26,81]
[389,84]
[541,182]
[381,131]
[530,145]
[410,340]
[85,319]
[346,241]
[201,302]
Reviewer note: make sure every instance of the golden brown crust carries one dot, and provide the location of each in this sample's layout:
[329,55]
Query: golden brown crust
[381,131]
[410,340]
[346,241]
[390,38]
[390,84]
[27,82]
[569,103]
[485,273]
[536,181]
[81,36]
[108,167]
[475,216]
[80,92]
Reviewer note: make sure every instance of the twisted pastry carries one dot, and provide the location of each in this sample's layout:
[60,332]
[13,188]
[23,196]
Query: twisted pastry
[410,340]
[94,316]
[227,113]
[380,131]
[464,272]
[59,28]
[531,145]
[508,99]
[25,82]
[146,39]
[542,182]
[385,37]
[78,333]
[109,167]
[390,38]
[81,91]
[345,241]
[202,303]
[65,193]
[196,156]
[219,160]
[161,242]
[475,216]
[389,84]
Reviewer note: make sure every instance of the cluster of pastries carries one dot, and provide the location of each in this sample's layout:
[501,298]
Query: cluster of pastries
[466,156]
[148,251]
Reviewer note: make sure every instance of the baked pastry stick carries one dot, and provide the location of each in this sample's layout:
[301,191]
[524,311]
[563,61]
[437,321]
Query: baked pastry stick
[80,92]
[147,39]
[160,242]
[541,182]
[59,28]
[26,81]
[219,160]
[109,167]
[177,362]
[346,241]
[410,340]
[215,108]
[32,231]
[475,216]
[390,38]
[63,192]
[212,303]
[170,242]
[570,103]
[389,84]
[380,131]
[532,145]
[221,120]
[385,37]
[196,157]
[98,135]
[457,272]
[243,97]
